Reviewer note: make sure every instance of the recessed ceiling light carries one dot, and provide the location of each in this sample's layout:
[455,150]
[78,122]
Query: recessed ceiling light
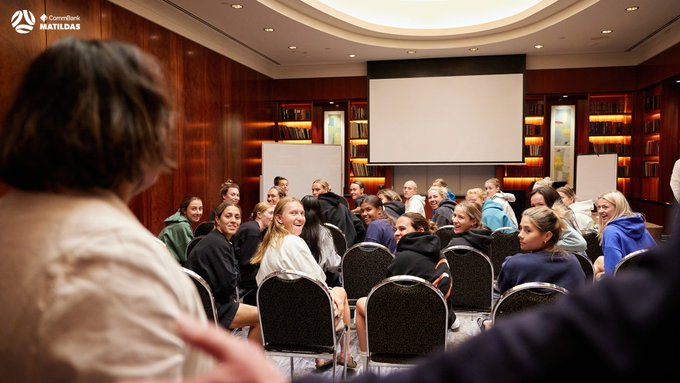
[292,47]
[237,6]
[473,49]
[331,102]
[352,55]
[538,46]
[632,8]
[269,29]
[607,31]
[411,52]
[565,96]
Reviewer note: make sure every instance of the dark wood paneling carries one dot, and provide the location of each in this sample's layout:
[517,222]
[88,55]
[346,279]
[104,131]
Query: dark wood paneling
[670,143]
[663,66]
[320,89]
[90,19]
[580,80]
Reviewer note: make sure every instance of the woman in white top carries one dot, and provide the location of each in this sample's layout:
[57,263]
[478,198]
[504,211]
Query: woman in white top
[582,210]
[283,249]
[493,191]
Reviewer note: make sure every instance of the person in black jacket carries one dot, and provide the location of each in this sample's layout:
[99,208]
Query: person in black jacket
[337,212]
[468,229]
[213,259]
[442,206]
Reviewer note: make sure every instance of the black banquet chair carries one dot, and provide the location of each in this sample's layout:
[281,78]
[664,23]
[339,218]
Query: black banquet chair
[593,249]
[339,239]
[363,266]
[587,266]
[472,280]
[504,243]
[203,228]
[406,317]
[297,319]
[524,297]
[630,261]
[445,233]
[204,292]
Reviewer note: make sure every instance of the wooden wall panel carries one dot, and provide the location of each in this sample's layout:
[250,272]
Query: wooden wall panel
[320,89]
[660,67]
[580,80]
[90,19]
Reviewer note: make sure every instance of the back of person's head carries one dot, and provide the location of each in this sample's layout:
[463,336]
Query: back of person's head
[478,192]
[543,182]
[545,220]
[472,211]
[185,204]
[226,185]
[418,221]
[550,195]
[311,231]
[88,115]
[389,194]
[259,208]
[440,182]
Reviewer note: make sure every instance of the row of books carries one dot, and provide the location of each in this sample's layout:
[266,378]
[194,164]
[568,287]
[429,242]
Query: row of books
[358,151]
[533,150]
[652,126]
[608,128]
[651,169]
[620,149]
[296,114]
[363,170]
[533,130]
[288,133]
[608,107]
[623,171]
[534,109]
[358,130]
[652,103]
[359,113]
[652,148]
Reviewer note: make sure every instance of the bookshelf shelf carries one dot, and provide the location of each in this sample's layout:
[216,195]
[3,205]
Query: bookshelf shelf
[295,123]
[373,177]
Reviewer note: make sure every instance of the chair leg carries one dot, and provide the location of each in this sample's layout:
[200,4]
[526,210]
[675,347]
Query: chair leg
[291,368]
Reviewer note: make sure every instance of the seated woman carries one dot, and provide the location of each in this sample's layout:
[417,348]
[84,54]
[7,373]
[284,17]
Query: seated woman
[246,240]
[213,259]
[320,241]
[177,232]
[581,210]
[571,239]
[493,192]
[379,229]
[621,232]
[392,203]
[283,249]
[335,211]
[493,215]
[417,255]
[357,191]
[274,194]
[468,229]
[442,206]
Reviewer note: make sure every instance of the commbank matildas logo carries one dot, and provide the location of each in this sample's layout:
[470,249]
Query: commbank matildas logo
[23,21]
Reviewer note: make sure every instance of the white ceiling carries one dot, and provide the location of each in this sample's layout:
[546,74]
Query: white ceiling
[569,30]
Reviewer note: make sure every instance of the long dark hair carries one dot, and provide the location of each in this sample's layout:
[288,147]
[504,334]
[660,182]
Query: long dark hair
[311,232]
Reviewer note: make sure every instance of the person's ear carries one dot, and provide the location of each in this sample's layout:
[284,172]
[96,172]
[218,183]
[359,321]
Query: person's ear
[420,230]
[547,236]
[279,219]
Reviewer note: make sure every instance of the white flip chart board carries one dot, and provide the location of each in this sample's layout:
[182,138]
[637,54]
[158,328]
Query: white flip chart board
[595,175]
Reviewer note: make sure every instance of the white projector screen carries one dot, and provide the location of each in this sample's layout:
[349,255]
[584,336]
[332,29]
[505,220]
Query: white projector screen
[474,119]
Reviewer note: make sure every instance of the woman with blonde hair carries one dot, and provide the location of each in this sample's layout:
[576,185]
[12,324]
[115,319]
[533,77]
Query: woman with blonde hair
[283,249]
[468,229]
[442,206]
[621,231]
[581,210]
[492,186]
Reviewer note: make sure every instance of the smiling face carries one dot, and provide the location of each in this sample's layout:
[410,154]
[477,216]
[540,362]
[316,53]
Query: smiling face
[194,211]
[434,199]
[273,196]
[531,238]
[462,222]
[491,189]
[605,209]
[404,226]
[233,195]
[229,221]
[355,191]
[283,184]
[370,213]
[292,217]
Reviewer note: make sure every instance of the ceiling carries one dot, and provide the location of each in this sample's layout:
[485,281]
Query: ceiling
[570,32]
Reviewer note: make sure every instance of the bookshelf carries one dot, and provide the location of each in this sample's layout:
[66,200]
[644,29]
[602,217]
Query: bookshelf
[294,124]
[357,168]
[651,137]
[519,177]
[609,131]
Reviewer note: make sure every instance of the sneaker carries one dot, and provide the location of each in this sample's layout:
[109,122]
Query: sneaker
[456,325]
[481,323]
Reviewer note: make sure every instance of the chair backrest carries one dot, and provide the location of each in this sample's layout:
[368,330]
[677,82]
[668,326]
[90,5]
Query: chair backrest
[471,279]
[203,228]
[191,246]
[406,317]
[363,266]
[587,266]
[207,298]
[504,243]
[339,239]
[525,296]
[445,233]
[296,313]
[594,248]
[630,261]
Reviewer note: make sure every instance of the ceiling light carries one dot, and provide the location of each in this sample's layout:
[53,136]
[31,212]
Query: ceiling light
[411,52]
[538,46]
[632,8]
[237,6]
[607,31]
[565,96]
[292,47]
[269,29]
[473,49]
[331,102]
[352,55]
